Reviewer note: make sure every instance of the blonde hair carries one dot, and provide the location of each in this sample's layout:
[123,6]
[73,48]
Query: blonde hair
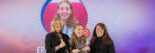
[53,23]
[71,18]
[73,40]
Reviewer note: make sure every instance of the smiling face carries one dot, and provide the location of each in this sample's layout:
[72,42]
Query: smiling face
[64,10]
[78,30]
[99,31]
[58,26]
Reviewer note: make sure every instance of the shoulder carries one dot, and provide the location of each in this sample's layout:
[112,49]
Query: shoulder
[112,43]
[52,34]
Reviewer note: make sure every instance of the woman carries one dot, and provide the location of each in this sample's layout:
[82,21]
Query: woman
[78,40]
[101,41]
[65,11]
[56,41]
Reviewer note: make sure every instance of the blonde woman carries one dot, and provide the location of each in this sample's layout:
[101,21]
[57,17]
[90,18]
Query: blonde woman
[56,41]
[65,11]
[78,40]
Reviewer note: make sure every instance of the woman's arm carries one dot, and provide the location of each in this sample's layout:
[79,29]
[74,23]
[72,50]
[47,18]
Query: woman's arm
[87,48]
[111,48]
[91,48]
[48,44]
[75,50]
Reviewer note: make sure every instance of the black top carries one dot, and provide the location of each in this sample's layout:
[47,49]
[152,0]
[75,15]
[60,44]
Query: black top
[52,40]
[100,47]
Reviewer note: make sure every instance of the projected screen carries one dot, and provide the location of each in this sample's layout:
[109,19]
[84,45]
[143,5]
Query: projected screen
[25,23]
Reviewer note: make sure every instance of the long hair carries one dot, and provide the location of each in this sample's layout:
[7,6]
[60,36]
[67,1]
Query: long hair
[71,19]
[74,38]
[105,37]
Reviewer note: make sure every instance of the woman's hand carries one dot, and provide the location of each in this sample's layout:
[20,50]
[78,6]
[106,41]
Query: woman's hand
[86,49]
[75,50]
[62,44]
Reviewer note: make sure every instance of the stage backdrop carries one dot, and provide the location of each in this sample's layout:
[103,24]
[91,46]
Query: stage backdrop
[130,23]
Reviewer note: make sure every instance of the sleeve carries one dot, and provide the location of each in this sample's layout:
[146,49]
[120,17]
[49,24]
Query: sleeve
[91,48]
[67,42]
[111,48]
[48,44]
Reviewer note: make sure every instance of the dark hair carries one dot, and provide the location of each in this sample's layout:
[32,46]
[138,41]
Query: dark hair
[105,38]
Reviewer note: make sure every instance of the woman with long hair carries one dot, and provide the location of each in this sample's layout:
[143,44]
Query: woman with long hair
[65,11]
[101,41]
[78,40]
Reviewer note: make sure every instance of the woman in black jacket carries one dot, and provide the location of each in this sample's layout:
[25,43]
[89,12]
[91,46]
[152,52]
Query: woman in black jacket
[101,41]
[56,41]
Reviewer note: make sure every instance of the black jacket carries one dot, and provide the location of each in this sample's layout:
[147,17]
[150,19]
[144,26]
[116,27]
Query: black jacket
[100,47]
[52,40]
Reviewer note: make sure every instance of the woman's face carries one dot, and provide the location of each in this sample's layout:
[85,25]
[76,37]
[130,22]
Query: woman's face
[64,10]
[58,26]
[99,31]
[78,31]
